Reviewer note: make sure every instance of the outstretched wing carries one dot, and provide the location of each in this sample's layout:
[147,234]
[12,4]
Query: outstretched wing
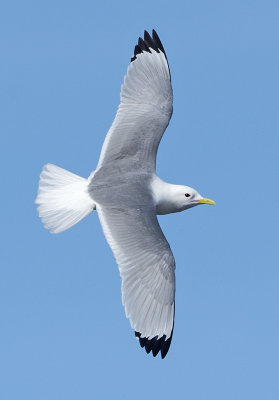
[145,109]
[147,267]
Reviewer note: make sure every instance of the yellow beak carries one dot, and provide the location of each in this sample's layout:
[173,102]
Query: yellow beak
[207,201]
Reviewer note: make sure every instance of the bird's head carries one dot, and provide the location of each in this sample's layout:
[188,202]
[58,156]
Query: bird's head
[185,197]
[193,198]
[174,198]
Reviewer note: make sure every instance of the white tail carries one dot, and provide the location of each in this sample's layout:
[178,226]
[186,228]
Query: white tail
[63,198]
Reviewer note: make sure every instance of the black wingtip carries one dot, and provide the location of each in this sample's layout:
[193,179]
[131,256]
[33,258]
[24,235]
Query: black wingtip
[144,45]
[157,40]
[165,347]
[155,345]
[162,344]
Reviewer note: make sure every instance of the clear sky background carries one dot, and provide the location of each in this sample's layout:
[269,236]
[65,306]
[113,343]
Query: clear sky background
[63,331]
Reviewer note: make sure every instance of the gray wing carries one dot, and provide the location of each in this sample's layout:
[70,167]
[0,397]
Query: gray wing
[145,109]
[147,267]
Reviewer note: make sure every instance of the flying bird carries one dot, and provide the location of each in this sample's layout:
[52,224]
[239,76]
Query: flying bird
[128,195]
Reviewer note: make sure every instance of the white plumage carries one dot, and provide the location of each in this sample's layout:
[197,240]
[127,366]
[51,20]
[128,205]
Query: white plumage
[127,194]
[63,198]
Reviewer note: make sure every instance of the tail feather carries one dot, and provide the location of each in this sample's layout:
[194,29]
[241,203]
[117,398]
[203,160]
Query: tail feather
[63,198]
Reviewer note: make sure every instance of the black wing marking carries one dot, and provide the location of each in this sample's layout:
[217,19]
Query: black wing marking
[144,45]
[156,344]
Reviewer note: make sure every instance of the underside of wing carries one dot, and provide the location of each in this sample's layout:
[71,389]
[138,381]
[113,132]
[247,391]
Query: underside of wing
[145,109]
[146,267]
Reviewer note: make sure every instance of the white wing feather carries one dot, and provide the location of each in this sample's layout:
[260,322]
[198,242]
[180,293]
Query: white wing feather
[143,114]
[146,266]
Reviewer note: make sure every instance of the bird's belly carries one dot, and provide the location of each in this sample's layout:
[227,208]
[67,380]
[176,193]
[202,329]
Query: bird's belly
[129,190]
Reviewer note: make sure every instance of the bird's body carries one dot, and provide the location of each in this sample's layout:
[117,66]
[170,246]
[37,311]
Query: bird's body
[127,194]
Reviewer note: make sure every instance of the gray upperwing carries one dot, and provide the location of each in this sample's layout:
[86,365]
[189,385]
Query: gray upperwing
[144,112]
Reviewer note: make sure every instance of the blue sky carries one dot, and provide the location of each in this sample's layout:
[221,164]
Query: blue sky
[63,331]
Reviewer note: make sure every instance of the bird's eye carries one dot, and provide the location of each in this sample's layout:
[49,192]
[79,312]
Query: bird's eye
[187,195]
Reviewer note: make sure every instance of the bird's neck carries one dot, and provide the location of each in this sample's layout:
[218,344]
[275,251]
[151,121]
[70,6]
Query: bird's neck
[164,195]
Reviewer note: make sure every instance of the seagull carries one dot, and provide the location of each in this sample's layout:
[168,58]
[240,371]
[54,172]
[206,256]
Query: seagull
[128,195]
